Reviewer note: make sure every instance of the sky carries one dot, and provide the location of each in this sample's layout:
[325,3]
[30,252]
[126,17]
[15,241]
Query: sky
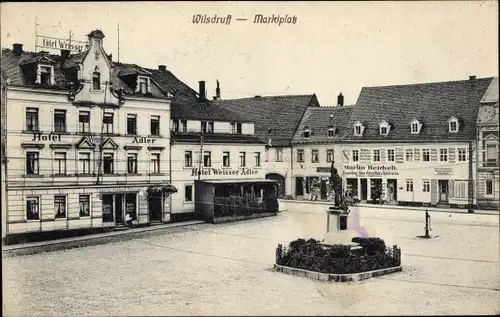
[333,47]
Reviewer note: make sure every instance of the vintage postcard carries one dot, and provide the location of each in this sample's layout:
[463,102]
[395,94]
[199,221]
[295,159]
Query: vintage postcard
[250,158]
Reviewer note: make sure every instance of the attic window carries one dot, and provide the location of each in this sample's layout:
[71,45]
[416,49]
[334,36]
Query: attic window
[453,125]
[96,80]
[142,85]
[384,128]
[331,131]
[358,128]
[307,132]
[45,75]
[415,126]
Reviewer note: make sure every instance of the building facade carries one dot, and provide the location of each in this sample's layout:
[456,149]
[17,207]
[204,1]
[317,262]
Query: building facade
[487,149]
[89,143]
[210,143]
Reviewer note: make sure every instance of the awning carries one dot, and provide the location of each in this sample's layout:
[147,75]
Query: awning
[166,189]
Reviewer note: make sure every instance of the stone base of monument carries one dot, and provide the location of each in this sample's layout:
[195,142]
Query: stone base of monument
[336,228]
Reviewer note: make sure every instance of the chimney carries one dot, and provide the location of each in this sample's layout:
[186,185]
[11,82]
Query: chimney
[340,100]
[162,67]
[217,91]
[65,53]
[110,57]
[202,94]
[472,77]
[17,49]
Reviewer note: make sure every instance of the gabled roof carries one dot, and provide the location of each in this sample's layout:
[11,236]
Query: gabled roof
[275,117]
[432,103]
[319,119]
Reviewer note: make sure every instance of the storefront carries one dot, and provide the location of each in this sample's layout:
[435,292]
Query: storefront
[313,186]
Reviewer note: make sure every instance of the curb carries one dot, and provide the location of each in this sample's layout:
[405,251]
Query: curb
[325,277]
[82,241]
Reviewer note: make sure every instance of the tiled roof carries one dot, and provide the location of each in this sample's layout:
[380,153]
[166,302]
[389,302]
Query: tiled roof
[191,137]
[275,117]
[206,110]
[433,104]
[319,120]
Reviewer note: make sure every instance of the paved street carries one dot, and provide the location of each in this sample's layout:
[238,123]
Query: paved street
[226,270]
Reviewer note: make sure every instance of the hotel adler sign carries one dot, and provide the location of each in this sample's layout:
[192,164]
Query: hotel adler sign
[225,172]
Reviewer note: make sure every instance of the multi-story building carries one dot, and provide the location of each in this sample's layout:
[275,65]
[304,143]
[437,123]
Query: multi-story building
[213,144]
[276,120]
[487,149]
[411,142]
[316,146]
[87,141]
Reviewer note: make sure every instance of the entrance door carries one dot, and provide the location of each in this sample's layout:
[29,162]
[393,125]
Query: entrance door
[281,183]
[364,189]
[119,208]
[155,207]
[443,191]
[107,208]
[299,186]
[392,190]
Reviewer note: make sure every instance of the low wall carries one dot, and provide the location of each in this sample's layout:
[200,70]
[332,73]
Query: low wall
[336,277]
[243,217]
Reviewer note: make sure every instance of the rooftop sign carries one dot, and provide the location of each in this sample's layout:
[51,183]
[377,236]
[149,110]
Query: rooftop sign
[60,44]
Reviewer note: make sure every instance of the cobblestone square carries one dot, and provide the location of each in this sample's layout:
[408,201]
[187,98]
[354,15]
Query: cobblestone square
[227,270]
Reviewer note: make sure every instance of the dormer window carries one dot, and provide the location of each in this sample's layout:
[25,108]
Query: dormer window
[453,125]
[45,75]
[358,128]
[142,85]
[384,128]
[307,132]
[415,126]
[331,131]
[96,80]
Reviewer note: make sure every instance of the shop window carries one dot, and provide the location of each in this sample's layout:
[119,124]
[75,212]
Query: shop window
[390,155]
[108,163]
[188,193]
[60,206]
[84,201]
[462,155]
[409,155]
[132,163]
[132,124]
[376,155]
[329,156]
[155,163]
[84,121]
[300,155]
[443,155]
[60,163]
[96,80]
[426,155]
[489,187]
[155,125]
[32,163]
[84,163]
[257,159]
[32,208]
[426,186]
[32,119]
[409,185]
[242,159]
[207,158]
[355,155]
[226,159]
[59,120]
[314,156]
[460,189]
[188,159]
[107,122]
[279,155]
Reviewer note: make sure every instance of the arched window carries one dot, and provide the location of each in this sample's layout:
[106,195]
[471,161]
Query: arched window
[96,80]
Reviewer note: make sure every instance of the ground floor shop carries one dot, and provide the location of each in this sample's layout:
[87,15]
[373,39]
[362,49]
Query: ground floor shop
[314,185]
[49,209]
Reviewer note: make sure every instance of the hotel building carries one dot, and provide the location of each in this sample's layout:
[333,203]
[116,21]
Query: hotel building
[87,141]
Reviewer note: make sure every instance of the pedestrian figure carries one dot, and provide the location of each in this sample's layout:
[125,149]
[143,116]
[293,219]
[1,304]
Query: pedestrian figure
[128,219]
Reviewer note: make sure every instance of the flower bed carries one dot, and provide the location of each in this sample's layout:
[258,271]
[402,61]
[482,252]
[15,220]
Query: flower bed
[313,256]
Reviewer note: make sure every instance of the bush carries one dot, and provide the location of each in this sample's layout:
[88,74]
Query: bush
[337,259]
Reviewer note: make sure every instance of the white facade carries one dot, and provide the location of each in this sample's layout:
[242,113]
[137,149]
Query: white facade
[278,166]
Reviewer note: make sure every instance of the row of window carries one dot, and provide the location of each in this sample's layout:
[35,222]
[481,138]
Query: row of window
[108,163]
[460,188]
[415,127]
[60,207]
[108,120]
[226,159]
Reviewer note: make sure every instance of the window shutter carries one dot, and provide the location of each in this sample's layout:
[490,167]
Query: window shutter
[434,191]
[451,189]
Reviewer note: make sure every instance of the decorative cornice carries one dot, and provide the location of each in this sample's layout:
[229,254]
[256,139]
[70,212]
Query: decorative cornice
[32,146]
[61,146]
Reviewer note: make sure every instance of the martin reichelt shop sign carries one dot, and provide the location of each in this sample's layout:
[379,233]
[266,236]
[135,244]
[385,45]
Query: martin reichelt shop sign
[370,170]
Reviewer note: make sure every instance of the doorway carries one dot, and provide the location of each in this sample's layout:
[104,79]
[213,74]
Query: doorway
[364,189]
[443,191]
[299,186]
[392,191]
[155,207]
[119,209]
[107,208]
